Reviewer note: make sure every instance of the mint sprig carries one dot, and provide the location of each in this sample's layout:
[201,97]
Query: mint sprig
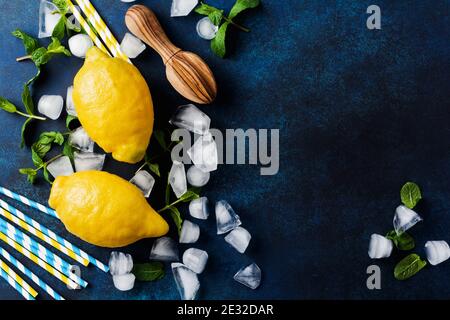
[410,194]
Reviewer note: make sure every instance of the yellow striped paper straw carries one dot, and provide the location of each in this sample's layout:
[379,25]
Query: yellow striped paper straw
[102,29]
[87,28]
[18,279]
[44,265]
[43,237]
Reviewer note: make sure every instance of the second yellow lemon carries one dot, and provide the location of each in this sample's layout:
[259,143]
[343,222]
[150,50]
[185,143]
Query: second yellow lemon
[114,106]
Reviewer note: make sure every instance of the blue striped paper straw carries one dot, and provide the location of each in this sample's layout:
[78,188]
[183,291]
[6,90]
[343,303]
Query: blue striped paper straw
[5,254]
[15,285]
[53,235]
[45,258]
[28,202]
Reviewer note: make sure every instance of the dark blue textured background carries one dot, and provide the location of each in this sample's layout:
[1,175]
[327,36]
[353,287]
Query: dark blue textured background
[360,112]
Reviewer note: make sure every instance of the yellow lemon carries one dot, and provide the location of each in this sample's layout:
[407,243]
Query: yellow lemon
[114,106]
[104,209]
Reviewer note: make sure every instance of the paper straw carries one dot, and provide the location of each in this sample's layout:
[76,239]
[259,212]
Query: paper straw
[38,261]
[41,235]
[51,234]
[30,274]
[18,279]
[102,29]
[28,202]
[15,285]
[87,28]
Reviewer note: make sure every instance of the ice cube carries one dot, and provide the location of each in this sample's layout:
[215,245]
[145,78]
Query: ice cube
[226,218]
[404,219]
[70,106]
[181,8]
[239,239]
[195,259]
[190,232]
[177,179]
[191,118]
[198,208]
[144,181]
[164,249]
[186,281]
[60,167]
[120,263]
[206,29]
[51,106]
[249,276]
[437,251]
[124,282]
[48,18]
[132,46]
[79,44]
[197,177]
[80,140]
[379,247]
[204,153]
[85,161]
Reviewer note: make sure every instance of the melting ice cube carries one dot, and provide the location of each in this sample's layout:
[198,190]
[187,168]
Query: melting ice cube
[70,106]
[405,219]
[379,247]
[195,259]
[204,153]
[190,232]
[120,263]
[239,239]
[51,106]
[144,181]
[48,18]
[60,167]
[85,161]
[249,276]
[79,44]
[206,29]
[186,280]
[124,282]
[177,179]
[197,177]
[80,140]
[181,8]
[164,249]
[226,218]
[198,208]
[132,46]
[437,251]
[191,118]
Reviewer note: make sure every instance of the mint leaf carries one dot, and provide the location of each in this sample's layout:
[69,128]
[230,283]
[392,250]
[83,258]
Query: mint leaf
[154,167]
[7,106]
[46,175]
[40,148]
[40,56]
[56,47]
[189,195]
[402,241]
[27,100]
[62,5]
[410,194]
[29,42]
[242,5]
[68,150]
[23,131]
[148,271]
[30,173]
[69,120]
[176,217]
[408,267]
[214,14]
[60,29]
[218,45]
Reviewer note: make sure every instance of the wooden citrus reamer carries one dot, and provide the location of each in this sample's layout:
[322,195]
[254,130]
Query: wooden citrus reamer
[186,71]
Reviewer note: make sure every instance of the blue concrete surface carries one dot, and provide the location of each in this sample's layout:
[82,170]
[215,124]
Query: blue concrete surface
[360,112]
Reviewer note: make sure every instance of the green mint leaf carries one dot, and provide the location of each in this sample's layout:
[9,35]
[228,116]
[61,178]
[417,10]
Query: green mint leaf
[176,217]
[62,5]
[37,159]
[69,120]
[242,5]
[68,150]
[40,56]
[402,241]
[27,100]
[47,175]
[161,138]
[60,28]
[154,167]
[410,194]
[408,267]
[148,271]
[29,171]
[29,42]
[218,45]
[190,195]
[40,148]
[23,131]
[214,14]
[56,47]
[7,106]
